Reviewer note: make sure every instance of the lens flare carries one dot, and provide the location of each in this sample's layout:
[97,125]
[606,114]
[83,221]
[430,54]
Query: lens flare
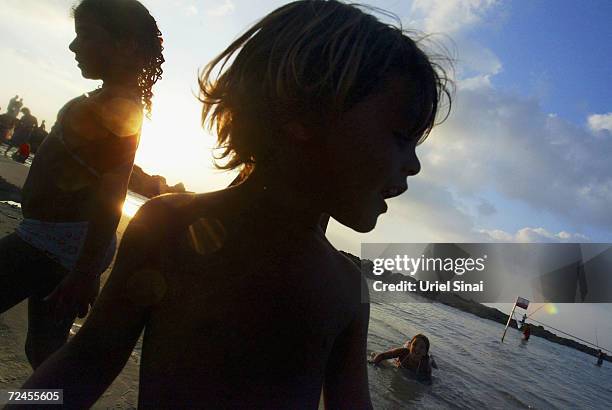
[551,309]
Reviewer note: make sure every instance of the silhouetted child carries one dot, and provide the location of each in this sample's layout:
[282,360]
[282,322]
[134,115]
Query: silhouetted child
[73,196]
[600,357]
[242,300]
[526,332]
[414,356]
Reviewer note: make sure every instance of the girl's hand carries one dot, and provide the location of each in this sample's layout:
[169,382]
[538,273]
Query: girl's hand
[372,358]
[74,295]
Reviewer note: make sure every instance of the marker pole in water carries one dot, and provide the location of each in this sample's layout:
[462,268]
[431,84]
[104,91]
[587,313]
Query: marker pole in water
[509,319]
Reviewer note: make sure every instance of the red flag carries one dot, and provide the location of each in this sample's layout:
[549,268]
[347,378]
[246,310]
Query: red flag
[522,302]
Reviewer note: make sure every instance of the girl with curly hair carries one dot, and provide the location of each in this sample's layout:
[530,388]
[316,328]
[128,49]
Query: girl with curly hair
[73,196]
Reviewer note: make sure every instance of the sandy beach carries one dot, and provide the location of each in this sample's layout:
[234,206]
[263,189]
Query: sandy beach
[14,367]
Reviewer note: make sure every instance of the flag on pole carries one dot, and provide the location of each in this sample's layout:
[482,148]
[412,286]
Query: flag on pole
[522,302]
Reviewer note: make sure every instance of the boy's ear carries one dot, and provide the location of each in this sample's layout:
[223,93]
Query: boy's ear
[297,132]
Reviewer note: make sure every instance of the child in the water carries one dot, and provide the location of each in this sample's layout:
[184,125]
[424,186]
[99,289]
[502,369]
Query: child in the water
[414,356]
[242,301]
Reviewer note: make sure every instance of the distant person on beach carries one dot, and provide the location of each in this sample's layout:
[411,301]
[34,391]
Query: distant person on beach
[73,196]
[7,129]
[522,322]
[14,106]
[23,130]
[37,137]
[243,301]
[414,356]
[526,332]
[600,357]
[22,153]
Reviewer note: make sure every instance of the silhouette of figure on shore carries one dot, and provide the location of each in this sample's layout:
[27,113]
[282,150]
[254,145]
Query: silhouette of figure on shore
[7,128]
[526,332]
[14,106]
[37,137]
[23,130]
[522,322]
[22,153]
[600,357]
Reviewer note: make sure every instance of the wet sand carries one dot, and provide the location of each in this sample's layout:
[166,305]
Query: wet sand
[14,367]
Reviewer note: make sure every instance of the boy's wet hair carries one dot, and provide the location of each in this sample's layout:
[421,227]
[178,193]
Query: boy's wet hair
[130,20]
[309,61]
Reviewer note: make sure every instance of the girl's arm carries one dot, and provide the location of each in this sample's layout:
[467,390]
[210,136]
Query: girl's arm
[100,119]
[433,362]
[86,366]
[390,354]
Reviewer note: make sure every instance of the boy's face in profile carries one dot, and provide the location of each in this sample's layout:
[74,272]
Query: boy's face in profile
[369,154]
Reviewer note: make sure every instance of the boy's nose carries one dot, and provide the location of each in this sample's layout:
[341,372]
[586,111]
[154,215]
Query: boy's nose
[72,46]
[412,166]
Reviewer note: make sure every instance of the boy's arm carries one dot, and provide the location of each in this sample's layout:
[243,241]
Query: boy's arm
[90,361]
[346,374]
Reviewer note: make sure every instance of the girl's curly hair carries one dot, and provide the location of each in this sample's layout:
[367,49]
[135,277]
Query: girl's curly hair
[129,19]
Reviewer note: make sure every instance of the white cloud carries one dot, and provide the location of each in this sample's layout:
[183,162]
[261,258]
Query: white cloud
[50,17]
[449,16]
[451,22]
[600,122]
[507,144]
[192,10]
[529,234]
[223,9]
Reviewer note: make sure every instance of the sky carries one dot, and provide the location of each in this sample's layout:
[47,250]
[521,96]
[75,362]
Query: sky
[523,156]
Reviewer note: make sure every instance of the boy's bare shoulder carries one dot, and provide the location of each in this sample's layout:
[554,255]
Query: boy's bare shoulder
[155,219]
[168,222]
[350,269]
[163,211]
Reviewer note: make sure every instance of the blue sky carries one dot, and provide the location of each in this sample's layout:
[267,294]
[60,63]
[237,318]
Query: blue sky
[523,157]
[556,51]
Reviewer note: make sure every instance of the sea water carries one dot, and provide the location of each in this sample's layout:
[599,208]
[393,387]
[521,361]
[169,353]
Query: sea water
[475,369]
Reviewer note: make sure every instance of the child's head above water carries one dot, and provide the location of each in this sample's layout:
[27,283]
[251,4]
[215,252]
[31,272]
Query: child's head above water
[118,38]
[328,94]
[418,345]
